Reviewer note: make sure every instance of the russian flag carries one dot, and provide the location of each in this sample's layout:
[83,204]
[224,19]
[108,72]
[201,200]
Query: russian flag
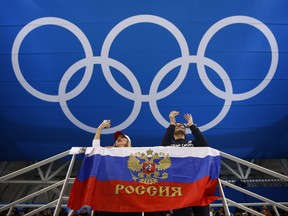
[146,179]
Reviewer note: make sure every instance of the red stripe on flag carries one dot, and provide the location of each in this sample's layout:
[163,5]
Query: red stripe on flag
[120,196]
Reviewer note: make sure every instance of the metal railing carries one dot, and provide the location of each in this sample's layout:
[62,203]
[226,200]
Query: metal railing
[226,202]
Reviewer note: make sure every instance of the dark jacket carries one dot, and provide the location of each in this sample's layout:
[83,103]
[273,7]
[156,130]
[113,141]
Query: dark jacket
[198,141]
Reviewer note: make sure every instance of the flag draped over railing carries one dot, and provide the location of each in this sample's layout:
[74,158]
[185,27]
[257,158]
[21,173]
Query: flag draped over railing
[146,179]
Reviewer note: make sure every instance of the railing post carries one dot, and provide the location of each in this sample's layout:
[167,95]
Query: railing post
[224,201]
[59,203]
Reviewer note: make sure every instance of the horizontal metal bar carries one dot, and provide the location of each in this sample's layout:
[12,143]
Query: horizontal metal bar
[253,195]
[33,166]
[32,195]
[254,166]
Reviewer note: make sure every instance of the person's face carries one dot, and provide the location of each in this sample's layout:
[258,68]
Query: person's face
[179,126]
[179,129]
[121,141]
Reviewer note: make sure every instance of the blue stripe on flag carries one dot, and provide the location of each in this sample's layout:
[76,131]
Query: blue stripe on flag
[185,170]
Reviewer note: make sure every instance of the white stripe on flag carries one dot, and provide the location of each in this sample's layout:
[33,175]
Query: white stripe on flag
[179,152]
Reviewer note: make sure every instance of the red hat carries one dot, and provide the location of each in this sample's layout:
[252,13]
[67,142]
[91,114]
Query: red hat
[118,133]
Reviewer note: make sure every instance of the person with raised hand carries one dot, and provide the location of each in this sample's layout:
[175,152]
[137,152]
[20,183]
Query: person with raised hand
[175,135]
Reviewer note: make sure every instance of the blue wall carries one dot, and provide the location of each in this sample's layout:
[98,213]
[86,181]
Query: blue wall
[67,65]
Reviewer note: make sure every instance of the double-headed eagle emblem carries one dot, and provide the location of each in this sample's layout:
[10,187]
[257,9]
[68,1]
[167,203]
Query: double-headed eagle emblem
[148,168]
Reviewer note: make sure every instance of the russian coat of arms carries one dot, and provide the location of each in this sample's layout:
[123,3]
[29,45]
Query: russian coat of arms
[148,168]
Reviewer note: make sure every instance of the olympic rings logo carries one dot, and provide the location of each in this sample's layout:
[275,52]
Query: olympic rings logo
[106,62]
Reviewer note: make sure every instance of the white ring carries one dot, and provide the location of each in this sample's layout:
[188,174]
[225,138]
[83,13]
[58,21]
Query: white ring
[136,20]
[217,68]
[63,84]
[38,23]
[209,34]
